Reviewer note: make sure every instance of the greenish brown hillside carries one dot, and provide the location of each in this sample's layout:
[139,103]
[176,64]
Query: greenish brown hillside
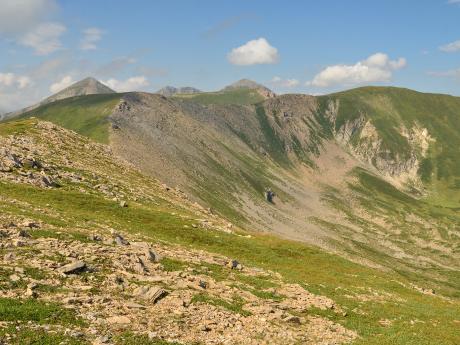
[66,200]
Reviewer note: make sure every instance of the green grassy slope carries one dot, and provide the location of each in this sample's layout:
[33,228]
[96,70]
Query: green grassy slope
[86,115]
[381,307]
[389,108]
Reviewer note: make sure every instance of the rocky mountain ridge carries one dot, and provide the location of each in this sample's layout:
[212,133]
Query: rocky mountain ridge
[169,91]
[317,153]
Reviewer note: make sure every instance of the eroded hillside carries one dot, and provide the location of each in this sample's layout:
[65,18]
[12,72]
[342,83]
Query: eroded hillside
[95,251]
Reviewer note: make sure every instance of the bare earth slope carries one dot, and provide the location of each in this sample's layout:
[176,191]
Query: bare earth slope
[323,168]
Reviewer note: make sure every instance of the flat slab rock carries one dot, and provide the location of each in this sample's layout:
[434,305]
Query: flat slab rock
[150,293]
[119,320]
[73,267]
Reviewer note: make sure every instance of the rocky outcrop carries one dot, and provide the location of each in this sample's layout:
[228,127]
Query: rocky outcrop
[362,139]
[187,304]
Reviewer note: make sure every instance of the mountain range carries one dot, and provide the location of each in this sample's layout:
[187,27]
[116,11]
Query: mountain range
[370,176]
[169,91]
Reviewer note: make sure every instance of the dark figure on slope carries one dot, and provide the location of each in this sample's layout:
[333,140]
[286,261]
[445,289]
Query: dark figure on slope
[270,195]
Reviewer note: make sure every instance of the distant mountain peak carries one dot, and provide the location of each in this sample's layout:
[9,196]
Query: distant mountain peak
[252,85]
[87,86]
[169,91]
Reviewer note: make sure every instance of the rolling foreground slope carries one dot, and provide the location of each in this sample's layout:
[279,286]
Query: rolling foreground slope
[93,251]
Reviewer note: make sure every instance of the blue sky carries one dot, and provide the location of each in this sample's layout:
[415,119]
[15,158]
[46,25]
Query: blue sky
[311,47]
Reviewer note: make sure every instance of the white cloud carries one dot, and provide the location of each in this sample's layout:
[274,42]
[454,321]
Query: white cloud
[90,37]
[254,52]
[453,1]
[61,84]
[25,22]
[130,84]
[376,68]
[19,16]
[6,79]
[45,38]
[12,87]
[451,47]
[284,83]
[23,82]
[11,80]
[453,73]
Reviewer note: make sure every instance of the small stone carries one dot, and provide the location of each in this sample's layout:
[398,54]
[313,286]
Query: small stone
[139,266]
[153,294]
[119,320]
[102,340]
[120,241]
[14,278]
[123,203]
[205,328]
[118,280]
[31,293]
[28,163]
[18,243]
[133,305]
[203,284]
[23,233]
[151,255]
[73,268]
[293,319]
[152,335]
[9,256]
[30,224]
[96,238]
[32,286]
[47,181]
[235,265]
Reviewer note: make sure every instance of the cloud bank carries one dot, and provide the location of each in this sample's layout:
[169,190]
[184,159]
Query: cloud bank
[376,68]
[25,22]
[284,83]
[130,84]
[451,47]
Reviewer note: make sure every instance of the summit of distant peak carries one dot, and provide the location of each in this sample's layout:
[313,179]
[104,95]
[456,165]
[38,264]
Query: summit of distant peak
[252,85]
